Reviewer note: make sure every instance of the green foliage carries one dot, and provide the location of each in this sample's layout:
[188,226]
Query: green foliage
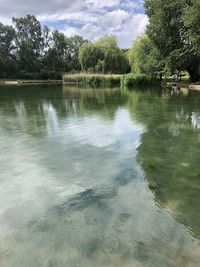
[89,55]
[115,61]
[174,29]
[104,56]
[191,17]
[100,66]
[137,80]
[29,42]
[96,80]
[7,50]
[144,57]
[107,42]
[30,51]
[73,45]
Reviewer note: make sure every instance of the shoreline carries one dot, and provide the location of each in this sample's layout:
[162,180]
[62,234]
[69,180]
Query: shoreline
[189,86]
[22,82]
[108,80]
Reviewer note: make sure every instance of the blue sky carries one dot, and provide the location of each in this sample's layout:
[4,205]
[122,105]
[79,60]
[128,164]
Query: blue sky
[88,18]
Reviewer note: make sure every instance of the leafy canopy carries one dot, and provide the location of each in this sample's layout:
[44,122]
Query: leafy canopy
[174,29]
[144,57]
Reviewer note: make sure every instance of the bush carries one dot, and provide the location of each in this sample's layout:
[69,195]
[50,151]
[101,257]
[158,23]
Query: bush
[90,70]
[50,75]
[136,80]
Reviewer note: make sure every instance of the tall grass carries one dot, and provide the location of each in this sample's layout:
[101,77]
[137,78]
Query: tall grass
[94,80]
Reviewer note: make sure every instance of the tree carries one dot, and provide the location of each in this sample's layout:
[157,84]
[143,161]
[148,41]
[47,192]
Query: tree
[107,42]
[61,53]
[144,57]
[73,45]
[89,56]
[191,17]
[104,56]
[29,43]
[115,61]
[30,50]
[7,51]
[47,40]
[170,30]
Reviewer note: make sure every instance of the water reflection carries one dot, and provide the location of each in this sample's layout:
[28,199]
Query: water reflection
[93,178]
[169,151]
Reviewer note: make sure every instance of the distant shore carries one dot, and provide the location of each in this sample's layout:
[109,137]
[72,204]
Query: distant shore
[21,82]
[187,85]
[103,80]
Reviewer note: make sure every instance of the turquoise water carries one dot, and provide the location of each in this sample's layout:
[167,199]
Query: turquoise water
[103,177]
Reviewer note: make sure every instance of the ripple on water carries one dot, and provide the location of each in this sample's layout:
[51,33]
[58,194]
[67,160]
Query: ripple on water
[93,185]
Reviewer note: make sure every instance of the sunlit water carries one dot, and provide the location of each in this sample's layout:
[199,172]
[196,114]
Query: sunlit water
[99,178]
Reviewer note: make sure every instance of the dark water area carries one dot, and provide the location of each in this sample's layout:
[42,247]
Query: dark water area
[99,177]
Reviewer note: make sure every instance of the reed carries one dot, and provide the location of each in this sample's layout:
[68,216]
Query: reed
[106,80]
[92,79]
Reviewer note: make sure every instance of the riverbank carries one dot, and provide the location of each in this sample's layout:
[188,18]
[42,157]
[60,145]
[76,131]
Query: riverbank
[186,85]
[21,82]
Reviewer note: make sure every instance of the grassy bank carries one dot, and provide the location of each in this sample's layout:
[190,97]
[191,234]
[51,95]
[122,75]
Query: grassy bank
[128,80]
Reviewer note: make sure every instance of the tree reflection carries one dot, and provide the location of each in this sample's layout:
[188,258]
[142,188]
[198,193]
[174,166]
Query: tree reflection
[30,109]
[169,150]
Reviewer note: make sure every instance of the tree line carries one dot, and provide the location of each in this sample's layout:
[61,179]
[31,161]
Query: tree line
[30,51]
[171,43]
[175,32]
[172,40]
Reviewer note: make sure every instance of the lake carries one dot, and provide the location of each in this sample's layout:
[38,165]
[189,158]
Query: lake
[99,177]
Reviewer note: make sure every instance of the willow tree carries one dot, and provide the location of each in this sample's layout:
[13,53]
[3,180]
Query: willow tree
[107,42]
[89,55]
[103,56]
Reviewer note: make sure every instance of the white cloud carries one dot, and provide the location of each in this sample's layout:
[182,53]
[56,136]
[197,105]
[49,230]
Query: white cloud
[5,20]
[113,19]
[89,18]
[102,3]
[36,7]
[71,31]
[78,17]
[126,32]
[132,5]
[134,28]
[89,31]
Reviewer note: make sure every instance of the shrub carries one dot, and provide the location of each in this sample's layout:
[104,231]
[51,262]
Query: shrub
[90,70]
[136,80]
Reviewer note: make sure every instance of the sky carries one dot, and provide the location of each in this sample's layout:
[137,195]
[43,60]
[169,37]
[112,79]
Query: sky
[91,19]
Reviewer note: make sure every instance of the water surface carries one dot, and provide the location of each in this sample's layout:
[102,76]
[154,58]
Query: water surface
[99,177]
